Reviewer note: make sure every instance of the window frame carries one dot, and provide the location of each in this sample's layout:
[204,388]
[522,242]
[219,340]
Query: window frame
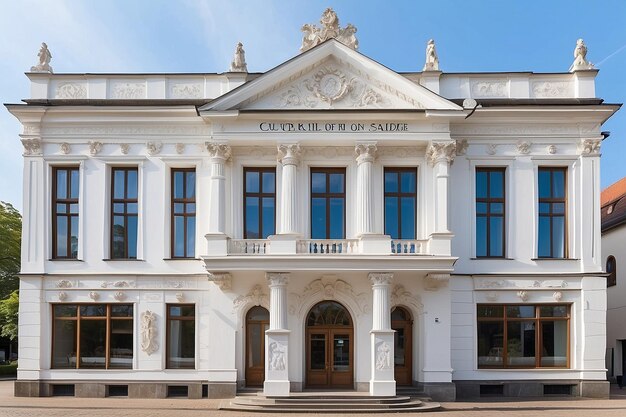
[327,196]
[551,201]
[260,195]
[68,214]
[398,195]
[611,280]
[126,215]
[488,200]
[185,214]
[77,318]
[538,320]
[168,320]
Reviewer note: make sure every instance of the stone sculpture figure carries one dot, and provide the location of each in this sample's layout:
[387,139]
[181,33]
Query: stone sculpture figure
[313,35]
[580,57]
[148,332]
[277,357]
[432,60]
[44,60]
[383,356]
[239,60]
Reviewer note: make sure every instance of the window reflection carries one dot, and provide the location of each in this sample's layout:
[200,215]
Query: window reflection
[183,213]
[490,212]
[328,203]
[400,202]
[552,212]
[259,202]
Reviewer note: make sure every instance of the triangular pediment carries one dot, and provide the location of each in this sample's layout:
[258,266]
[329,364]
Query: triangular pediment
[330,76]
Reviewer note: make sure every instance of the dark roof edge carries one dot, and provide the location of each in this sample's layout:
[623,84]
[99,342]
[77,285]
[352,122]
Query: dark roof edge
[611,224]
[117,102]
[493,102]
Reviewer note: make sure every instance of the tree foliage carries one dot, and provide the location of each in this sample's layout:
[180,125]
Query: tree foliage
[10,239]
[8,316]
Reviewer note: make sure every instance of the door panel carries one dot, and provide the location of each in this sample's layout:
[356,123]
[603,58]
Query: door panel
[317,364]
[341,370]
[403,349]
[257,322]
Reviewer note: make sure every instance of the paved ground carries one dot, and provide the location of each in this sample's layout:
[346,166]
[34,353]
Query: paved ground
[108,407]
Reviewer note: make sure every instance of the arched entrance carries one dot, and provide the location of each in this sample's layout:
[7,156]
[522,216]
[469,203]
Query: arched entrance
[329,346]
[257,322]
[402,323]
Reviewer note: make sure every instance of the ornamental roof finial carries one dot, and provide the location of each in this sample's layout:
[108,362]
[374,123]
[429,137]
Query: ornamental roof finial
[313,35]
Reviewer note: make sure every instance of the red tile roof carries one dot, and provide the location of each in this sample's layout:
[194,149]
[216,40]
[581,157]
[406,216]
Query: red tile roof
[613,205]
[613,192]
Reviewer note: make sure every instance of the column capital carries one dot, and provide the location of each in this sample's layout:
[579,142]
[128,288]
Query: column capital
[219,150]
[32,146]
[277,279]
[590,146]
[289,153]
[365,152]
[441,151]
[381,278]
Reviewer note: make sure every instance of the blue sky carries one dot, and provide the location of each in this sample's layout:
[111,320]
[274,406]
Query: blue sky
[199,36]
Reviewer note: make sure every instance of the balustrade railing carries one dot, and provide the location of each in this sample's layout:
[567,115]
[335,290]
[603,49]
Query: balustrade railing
[406,247]
[249,246]
[328,246]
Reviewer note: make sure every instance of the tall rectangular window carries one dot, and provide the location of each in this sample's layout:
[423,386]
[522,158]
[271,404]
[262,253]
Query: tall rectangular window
[259,202]
[552,232]
[523,336]
[124,209]
[65,212]
[328,203]
[94,336]
[400,202]
[183,213]
[181,336]
[490,212]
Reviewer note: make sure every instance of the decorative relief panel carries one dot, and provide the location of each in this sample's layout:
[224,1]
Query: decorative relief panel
[118,284]
[276,356]
[222,280]
[589,146]
[64,284]
[400,296]
[383,356]
[523,147]
[129,130]
[128,90]
[65,148]
[94,147]
[186,90]
[32,146]
[328,287]
[256,297]
[154,148]
[510,284]
[148,332]
[489,88]
[71,91]
[552,89]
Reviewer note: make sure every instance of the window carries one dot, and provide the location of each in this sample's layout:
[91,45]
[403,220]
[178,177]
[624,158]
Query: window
[328,203]
[181,336]
[611,269]
[183,213]
[400,202]
[490,212]
[124,209]
[552,209]
[65,212]
[260,202]
[92,336]
[523,336]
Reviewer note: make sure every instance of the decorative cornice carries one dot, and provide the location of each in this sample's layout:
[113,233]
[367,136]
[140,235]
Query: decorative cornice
[289,154]
[365,152]
[222,280]
[219,150]
[441,152]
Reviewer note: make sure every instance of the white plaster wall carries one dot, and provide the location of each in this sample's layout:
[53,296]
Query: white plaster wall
[613,244]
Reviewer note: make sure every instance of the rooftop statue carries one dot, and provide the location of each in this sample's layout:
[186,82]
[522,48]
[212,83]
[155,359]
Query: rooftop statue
[239,60]
[432,60]
[44,60]
[580,57]
[313,35]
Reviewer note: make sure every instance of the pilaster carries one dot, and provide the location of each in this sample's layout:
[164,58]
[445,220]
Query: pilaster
[277,338]
[382,382]
[217,241]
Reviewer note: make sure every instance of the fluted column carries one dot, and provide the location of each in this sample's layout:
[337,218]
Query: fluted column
[219,153]
[382,382]
[277,338]
[440,156]
[289,157]
[365,156]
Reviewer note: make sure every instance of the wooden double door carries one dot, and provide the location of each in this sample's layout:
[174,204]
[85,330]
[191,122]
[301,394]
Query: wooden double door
[257,322]
[402,323]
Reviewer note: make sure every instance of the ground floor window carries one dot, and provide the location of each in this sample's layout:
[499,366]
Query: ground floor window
[92,336]
[181,336]
[523,336]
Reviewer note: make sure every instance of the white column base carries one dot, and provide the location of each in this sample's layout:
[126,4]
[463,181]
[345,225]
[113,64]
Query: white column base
[382,383]
[276,363]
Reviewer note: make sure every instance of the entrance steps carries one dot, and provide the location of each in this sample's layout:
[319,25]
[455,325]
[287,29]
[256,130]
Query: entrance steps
[329,402]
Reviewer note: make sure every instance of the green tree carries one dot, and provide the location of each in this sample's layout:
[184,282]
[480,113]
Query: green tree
[10,239]
[8,316]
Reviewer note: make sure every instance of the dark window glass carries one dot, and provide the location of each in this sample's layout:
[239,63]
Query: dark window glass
[92,336]
[259,202]
[400,202]
[611,269]
[181,337]
[552,224]
[124,212]
[490,212]
[328,203]
[65,212]
[523,336]
[183,213]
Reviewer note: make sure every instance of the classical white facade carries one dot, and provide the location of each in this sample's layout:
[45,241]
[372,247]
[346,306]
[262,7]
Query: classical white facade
[321,225]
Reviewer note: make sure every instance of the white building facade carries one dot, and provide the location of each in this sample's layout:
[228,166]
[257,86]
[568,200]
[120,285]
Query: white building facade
[327,224]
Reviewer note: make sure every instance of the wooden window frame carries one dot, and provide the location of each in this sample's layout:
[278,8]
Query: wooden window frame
[327,196]
[185,214]
[169,319]
[77,318]
[68,214]
[538,320]
[552,201]
[126,215]
[260,195]
[488,215]
[398,195]
[611,280]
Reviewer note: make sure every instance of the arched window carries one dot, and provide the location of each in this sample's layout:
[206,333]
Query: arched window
[611,269]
